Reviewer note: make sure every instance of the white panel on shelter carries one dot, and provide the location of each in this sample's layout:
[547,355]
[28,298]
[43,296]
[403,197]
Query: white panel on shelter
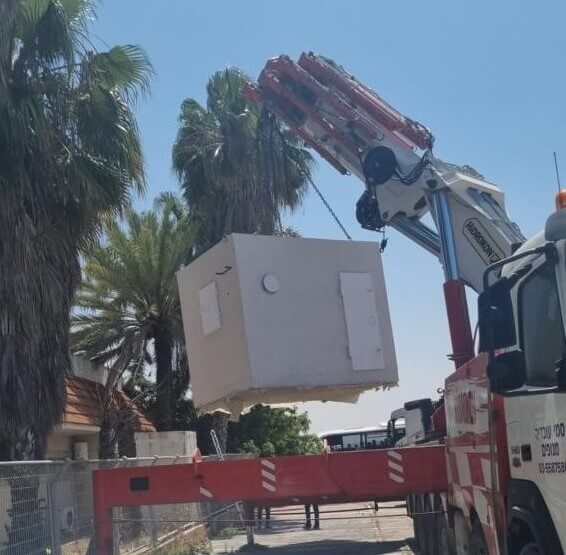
[364,337]
[209,309]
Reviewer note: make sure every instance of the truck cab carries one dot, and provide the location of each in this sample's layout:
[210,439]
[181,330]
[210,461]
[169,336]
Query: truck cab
[505,410]
[527,369]
[410,424]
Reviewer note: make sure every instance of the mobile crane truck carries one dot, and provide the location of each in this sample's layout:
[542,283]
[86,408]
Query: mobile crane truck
[504,410]
[487,474]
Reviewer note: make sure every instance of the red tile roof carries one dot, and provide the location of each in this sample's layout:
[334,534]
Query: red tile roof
[84,405]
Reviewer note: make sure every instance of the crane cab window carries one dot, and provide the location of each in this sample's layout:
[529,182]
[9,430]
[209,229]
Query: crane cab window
[542,331]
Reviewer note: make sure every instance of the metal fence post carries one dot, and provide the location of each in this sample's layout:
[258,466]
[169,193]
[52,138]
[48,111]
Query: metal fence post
[117,540]
[153,526]
[51,511]
[52,507]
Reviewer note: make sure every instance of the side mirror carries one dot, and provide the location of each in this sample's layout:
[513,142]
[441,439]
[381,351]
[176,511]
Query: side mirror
[507,371]
[496,320]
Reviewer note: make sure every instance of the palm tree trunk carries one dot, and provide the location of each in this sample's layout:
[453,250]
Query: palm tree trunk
[107,438]
[133,525]
[126,434]
[26,533]
[34,363]
[110,417]
[164,380]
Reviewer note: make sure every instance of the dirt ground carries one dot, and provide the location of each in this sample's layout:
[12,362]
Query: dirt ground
[353,529]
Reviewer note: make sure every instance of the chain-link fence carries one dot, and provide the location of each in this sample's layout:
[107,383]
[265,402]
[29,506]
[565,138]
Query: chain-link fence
[46,508]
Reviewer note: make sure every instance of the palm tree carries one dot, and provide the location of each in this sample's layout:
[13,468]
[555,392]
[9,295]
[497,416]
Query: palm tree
[239,169]
[129,312]
[70,156]
[238,166]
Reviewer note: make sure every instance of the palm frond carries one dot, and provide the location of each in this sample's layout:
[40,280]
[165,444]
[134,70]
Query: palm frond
[238,167]
[46,37]
[76,11]
[28,16]
[125,69]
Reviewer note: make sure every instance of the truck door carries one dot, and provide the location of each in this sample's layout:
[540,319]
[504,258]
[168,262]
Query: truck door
[536,413]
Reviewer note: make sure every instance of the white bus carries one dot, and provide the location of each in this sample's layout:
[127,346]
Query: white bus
[354,439]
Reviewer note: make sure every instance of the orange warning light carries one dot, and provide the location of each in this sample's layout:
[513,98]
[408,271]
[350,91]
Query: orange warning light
[561,199]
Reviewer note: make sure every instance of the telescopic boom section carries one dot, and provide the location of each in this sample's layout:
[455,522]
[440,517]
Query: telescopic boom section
[332,112]
[359,133]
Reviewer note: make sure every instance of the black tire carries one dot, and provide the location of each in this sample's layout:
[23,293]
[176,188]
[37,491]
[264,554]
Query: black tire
[531,549]
[478,545]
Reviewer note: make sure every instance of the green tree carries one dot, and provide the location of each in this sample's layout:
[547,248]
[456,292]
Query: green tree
[239,169]
[267,431]
[70,156]
[129,315]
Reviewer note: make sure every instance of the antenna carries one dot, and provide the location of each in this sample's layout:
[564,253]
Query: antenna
[557,172]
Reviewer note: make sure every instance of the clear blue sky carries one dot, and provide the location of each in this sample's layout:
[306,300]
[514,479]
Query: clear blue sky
[488,77]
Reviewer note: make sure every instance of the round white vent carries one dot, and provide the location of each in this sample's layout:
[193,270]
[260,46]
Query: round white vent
[270,283]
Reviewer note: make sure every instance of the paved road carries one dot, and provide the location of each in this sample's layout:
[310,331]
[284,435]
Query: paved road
[356,531]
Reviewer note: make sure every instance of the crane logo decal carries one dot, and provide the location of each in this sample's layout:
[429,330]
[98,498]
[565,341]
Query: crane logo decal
[395,464]
[482,242]
[268,478]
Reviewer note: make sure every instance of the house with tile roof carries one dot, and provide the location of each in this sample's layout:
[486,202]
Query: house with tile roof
[77,436]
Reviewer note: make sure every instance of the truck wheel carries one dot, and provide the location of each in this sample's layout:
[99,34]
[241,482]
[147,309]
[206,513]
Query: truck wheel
[531,549]
[478,545]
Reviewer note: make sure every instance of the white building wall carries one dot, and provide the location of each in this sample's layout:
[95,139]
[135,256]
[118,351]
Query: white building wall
[150,444]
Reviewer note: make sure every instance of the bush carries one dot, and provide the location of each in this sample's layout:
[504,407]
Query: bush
[268,432]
